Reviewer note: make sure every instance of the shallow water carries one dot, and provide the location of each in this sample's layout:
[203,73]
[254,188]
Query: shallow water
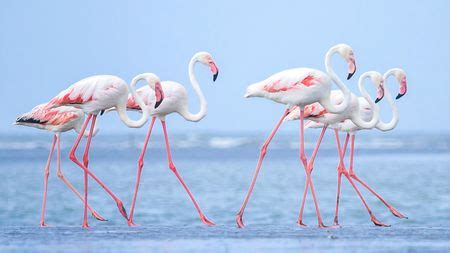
[410,171]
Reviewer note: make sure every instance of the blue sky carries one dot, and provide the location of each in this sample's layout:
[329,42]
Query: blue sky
[47,45]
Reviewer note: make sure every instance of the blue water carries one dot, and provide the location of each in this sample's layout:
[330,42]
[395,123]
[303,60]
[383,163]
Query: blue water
[410,171]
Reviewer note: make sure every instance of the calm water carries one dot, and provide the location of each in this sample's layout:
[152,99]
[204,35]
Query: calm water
[410,171]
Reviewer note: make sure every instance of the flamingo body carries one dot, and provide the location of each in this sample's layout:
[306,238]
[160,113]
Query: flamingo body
[298,86]
[93,94]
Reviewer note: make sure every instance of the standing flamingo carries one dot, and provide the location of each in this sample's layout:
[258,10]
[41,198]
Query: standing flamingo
[316,113]
[350,128]
[94,95]
[300,87]
[56,120]
[176,100]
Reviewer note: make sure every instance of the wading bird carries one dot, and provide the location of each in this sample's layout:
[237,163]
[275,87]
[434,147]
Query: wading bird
[318,114]
[175,100]
[301,87]
[56,120]
[94,95]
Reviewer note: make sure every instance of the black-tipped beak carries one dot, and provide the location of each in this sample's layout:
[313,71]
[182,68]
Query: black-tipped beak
[378,100]
[215,76]
[399,96]
[350,76]
[158,103]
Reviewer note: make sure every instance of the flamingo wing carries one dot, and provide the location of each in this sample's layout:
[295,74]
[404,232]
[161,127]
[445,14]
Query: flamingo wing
[288,80]
[50,116]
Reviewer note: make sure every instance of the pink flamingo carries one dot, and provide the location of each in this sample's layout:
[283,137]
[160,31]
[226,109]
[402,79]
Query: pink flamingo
[94,95]
[56,120]
[176,100]
[317,113]
[301,87]
[350,128]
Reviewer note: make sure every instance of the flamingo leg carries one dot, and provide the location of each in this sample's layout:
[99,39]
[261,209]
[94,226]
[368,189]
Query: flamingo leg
[172,167]
[309,182]
[84,168]
[339,176]
[67,182]
[46,174]
[346,174]
[262,154]
[355,177]
[139,172]
[305,164]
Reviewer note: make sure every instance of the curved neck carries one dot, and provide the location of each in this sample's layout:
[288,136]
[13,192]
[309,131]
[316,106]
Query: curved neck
[356,116]
[383,126]
[345,91]
[122,105]
[203,104]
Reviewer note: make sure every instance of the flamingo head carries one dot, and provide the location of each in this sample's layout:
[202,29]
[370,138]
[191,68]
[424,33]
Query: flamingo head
[400,75]
[347,53]
[155,84]
[378,80]
[206,59]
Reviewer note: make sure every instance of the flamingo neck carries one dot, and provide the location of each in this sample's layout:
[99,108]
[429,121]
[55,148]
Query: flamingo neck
[356,115]
[326,101]
[195,85]
[383,126]
[122,105]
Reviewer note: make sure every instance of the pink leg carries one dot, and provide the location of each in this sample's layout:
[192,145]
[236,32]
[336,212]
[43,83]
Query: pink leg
[139,172]
[309,182]
[262,154]
[76,161]
[344,171]
[172,167]
[46,174]
[355,177]
[305,165]
[67,182]
[340,170]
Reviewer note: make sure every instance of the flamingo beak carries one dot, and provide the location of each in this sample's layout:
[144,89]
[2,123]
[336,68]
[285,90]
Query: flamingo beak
[214,70]
[159,94]
[380,93]
[351,68]
[403,88]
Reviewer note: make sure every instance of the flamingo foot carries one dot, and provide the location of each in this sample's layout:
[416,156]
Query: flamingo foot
[301,224]
[206,221]
[98,216]
[378,223]
[43,225]
[85,224]
[336,222]
[122,209]
[132,224]
[321,225]
[397,213]
[239,221]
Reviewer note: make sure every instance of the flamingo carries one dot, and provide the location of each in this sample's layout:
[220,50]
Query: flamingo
[300,87]
[94,95]
[57,121]
[350,128]
[316,113]
[176,100]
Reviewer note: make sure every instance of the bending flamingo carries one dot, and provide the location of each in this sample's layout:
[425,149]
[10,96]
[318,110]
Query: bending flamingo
[176,100]
[300,87]
[350,128]
[57,121]
[316,113]
[94,95]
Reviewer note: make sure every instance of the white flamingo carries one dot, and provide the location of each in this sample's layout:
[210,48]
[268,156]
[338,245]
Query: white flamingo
[350,128]
[301,87]
[175,101]
[316,113]
[57,121]
[94,95]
